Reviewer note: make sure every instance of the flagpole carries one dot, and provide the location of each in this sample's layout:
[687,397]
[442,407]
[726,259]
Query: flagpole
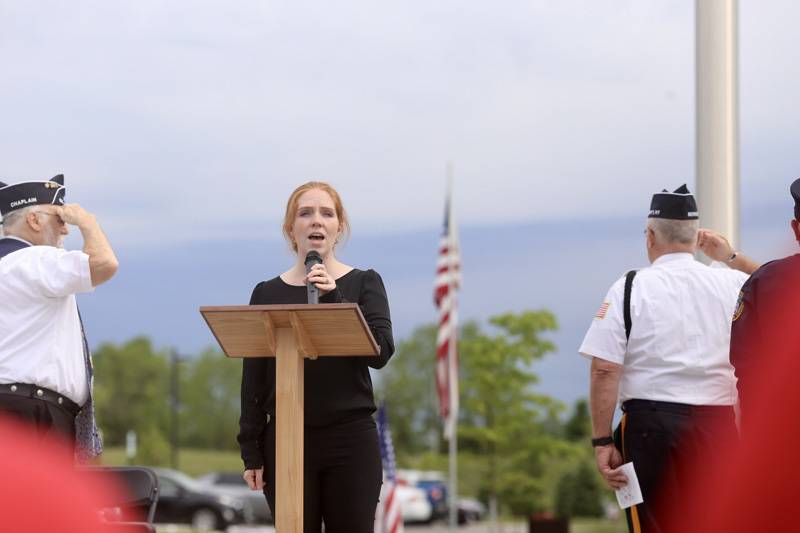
[717,116]
[452,369]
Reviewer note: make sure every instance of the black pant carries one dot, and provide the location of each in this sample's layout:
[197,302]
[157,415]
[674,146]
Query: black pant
[342,479]
[47,420]
[670,444]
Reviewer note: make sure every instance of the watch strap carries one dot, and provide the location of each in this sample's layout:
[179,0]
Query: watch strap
[602,441]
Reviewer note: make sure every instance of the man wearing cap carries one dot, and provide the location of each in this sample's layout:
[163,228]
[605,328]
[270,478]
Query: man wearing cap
[764,335]
[45,366]
[659,346]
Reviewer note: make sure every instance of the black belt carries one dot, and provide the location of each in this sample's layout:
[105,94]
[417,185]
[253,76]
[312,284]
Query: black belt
[40,393]
[640,406]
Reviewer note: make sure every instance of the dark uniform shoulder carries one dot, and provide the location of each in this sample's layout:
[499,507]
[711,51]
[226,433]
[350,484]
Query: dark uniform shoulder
[777,267]
[771,280]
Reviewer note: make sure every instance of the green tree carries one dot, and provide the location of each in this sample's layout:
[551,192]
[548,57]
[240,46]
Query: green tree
[579,426]
[209,400]
[503,419]
[579,493]
[131,393]
[407,384]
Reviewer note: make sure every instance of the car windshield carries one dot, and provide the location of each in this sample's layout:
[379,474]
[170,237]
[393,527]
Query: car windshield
[182,479]
[229,478]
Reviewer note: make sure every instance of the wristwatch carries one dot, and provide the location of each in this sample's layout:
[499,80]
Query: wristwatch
[602,441]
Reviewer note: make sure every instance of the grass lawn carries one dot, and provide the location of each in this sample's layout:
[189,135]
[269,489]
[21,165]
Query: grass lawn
[193,462]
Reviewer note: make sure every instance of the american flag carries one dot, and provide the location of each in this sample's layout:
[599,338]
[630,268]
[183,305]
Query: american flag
[448,281]
[388,519]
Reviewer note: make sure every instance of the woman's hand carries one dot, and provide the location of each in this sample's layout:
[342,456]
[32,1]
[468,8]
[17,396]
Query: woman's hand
[254,478]
[319,276]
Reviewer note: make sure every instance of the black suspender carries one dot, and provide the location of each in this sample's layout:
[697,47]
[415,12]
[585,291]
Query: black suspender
[8,246]
[626,308]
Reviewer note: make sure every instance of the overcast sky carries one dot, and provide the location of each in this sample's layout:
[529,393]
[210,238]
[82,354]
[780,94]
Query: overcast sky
[194,120]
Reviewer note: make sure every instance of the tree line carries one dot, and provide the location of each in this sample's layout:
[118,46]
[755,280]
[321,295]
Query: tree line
[517,447]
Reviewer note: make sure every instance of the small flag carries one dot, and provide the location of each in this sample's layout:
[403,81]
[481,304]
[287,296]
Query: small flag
[389,518]
[601,313]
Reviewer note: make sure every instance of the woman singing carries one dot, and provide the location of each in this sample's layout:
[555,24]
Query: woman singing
[342,455]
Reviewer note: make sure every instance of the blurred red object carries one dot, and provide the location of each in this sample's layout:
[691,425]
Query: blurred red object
[753,487]
[40,490]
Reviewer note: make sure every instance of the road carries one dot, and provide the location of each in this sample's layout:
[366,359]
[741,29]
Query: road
[480,527]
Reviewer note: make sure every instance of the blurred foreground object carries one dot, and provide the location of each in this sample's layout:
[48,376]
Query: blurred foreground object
[754,488]
[43,493]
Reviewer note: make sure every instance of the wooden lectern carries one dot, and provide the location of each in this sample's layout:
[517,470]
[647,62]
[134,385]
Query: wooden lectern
[290,333]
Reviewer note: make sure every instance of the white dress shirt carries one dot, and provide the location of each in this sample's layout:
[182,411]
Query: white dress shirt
[679,343]
[40,333]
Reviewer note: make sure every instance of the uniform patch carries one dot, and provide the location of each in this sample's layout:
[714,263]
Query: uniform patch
[601,313]
[739,306]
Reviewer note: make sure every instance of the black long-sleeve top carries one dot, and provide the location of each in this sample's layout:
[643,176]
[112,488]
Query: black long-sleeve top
[337,389]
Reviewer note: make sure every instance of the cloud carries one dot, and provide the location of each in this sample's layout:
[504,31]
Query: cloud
[194,120]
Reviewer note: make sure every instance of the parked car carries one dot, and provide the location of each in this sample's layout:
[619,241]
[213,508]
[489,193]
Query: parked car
[184,500]
[256,510]
[470,510]
[434,485]
[414,504]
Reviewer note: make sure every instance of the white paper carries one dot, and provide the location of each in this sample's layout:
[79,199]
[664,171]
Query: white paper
[630,494]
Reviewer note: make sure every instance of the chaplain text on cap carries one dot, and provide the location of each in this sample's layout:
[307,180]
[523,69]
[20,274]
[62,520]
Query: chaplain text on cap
[28,193]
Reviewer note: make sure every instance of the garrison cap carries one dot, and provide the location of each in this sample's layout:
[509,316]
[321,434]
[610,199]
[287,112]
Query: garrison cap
[28,193]
[795,190]
[676,205]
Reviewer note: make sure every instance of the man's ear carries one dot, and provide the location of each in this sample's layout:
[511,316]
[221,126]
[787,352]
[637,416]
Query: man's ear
[33,220]
[650,237]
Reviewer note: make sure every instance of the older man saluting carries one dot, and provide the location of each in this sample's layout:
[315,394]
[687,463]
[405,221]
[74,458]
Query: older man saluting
[659,346]
[45,365]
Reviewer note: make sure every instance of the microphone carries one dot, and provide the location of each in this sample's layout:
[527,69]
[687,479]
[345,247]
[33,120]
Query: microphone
[312,258]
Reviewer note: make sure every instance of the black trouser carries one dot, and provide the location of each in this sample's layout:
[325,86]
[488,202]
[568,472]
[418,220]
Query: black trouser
[48,421]
[670,444]
[342,479]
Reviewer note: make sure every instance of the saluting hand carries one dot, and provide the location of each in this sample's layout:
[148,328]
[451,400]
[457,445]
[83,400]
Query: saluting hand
[319,276]
[74,215]
[714,245]
[608,461]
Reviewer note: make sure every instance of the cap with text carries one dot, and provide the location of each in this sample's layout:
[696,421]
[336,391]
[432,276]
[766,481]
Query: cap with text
[676,205]
[28,193]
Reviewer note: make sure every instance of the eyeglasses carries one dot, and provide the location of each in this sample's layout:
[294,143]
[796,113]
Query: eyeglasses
[60,221]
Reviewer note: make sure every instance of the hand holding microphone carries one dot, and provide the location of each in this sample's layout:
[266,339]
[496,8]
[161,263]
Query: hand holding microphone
[318,280]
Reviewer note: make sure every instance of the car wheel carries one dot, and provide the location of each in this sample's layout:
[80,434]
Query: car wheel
[205,519]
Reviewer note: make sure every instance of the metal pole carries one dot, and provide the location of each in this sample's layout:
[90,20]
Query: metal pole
[453,451]
[174,405]
[717,119]
[453,373]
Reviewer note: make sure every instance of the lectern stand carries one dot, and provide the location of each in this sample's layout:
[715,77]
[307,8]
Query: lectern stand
[290,333]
